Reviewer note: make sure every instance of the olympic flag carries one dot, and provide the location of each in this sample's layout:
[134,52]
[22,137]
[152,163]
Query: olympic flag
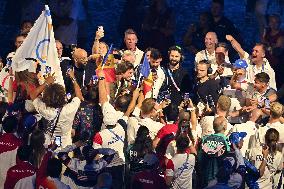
[39,48]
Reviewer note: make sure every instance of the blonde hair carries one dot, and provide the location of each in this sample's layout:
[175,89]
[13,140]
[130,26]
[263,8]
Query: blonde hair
[224,103]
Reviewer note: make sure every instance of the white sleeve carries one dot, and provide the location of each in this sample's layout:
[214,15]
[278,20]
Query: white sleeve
[247,58]
[41,108]
[131,131]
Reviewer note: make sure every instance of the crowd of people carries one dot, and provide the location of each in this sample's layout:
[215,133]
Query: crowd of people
[126,118]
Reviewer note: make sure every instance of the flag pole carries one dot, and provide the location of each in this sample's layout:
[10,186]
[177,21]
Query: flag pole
[106,56]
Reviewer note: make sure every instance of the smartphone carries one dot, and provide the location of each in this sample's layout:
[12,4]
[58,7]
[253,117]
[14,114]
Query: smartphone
[134,83]
[68,96]
[100,28]
[95,79]
[57,140]
[267,103]
[48,69]
[68,69]
[167,96]
[186,96]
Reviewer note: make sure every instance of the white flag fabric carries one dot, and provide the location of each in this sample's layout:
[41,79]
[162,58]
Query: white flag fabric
[39,48]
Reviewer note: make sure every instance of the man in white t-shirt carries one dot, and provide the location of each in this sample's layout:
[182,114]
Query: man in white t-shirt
[257,61]
[222,108]
[113,135]
[149,110]
[250,128]
[179,169]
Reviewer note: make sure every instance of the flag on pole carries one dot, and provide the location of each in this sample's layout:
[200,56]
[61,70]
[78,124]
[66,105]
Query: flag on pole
[146,73]
[108,66]
[39,48]
[145,67]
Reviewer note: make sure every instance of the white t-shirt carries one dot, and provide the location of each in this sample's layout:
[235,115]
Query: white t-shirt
[252,70]
[250,128]
[157,84]
[114,139]
[274,163]
[134,124]
[181,167]
[65,121]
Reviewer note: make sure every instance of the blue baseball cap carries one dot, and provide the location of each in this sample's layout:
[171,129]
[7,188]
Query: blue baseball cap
[236,137]
[240,64]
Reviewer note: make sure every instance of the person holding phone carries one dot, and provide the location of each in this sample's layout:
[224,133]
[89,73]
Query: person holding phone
[268,160]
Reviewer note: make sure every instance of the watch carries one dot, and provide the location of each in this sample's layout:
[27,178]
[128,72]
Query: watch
[101,78]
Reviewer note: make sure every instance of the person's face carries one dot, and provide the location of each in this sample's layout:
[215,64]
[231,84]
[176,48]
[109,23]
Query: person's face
[26,27]
[240,72]
[216,10]
[220,53]
[155,63]
[259,86]
[274,23]
[257,54]
[82,59]
[130,41]
[148,54]
[102,49]
[175,58]
[59,48]
[19,41]
[128,75]
[201,70]
[210,40]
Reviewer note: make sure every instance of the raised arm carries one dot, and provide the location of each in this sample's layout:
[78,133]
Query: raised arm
[48,81]
[76,86]
[102,88]
[132,103]
[236,45]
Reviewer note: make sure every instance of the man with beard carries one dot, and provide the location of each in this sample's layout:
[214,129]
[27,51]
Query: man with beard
[177,80]
[257,61]
[82,70]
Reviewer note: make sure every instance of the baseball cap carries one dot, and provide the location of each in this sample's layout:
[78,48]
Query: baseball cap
[240,64]
[150,159]
[236,137]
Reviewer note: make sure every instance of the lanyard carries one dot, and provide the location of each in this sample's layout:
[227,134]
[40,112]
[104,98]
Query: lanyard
[118,137]
[171,76]
[262,68]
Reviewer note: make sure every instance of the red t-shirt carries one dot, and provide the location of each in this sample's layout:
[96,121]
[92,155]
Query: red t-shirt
[17,172]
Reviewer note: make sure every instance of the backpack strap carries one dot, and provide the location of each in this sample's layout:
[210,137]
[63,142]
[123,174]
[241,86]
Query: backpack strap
[124,126]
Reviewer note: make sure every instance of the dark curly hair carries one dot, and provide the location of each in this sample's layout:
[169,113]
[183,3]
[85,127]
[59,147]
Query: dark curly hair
[54,96]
